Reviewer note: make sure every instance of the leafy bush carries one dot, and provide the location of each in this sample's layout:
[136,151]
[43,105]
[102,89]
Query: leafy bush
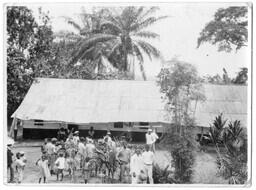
[182,151]
[232,158]
[163,176]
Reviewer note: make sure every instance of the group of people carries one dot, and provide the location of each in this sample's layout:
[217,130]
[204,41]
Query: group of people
[72,153]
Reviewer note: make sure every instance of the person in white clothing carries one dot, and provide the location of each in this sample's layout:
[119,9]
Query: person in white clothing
[60,163]
[155,137]
[107,138]
[89,149]
[149,138]
[19,165]
[148,159]
[76,137]
[81,151]
[136,165]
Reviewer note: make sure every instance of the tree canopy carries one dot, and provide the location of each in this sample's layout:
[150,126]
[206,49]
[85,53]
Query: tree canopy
[34,51]
[228,29]
[180,84]
[117,34]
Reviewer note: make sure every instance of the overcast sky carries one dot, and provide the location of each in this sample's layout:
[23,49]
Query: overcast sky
[178,36]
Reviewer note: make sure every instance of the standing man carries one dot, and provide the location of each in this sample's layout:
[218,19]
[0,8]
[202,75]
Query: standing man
[149,139]
[107,138]
[15,131]
[76,137]
[9,162]
[91,132]
[148,159]
[155,137]
[136,165]
[81,151]
[50,149]
[89,149]
[124,159]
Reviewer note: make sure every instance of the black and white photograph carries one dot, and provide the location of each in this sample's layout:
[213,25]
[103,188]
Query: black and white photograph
[127,94]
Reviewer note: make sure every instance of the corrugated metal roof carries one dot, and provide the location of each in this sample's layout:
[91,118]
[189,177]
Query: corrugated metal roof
[100,101]
[231,100]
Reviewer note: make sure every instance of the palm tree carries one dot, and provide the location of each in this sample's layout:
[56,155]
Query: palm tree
[120,34]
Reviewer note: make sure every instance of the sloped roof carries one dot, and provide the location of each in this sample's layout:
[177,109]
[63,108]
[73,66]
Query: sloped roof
[231,100]
[100,101]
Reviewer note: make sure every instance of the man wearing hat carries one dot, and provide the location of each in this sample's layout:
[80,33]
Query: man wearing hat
[76,137]
[107,138]
[9,162]
[149,138]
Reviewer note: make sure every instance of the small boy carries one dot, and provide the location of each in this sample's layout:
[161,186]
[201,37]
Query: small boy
[60,163]
[43,148]
[142,178]
[86,170]
[20,165]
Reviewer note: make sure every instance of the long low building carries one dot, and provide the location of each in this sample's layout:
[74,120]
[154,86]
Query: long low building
[117,105]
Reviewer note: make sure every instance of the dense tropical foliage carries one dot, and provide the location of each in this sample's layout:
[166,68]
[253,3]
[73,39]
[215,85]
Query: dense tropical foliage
[240,79]
[180,84]
[27,41]
[118,34]
[35,51]
[231,146]
[228,29]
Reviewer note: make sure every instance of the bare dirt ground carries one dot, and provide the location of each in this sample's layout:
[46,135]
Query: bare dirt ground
[204,169]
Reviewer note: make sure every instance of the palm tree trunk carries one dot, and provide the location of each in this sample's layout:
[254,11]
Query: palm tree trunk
[125,59]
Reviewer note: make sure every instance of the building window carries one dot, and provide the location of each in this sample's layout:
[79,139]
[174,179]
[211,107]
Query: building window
[118,125]
[144,124]
[146,128]
[38,122]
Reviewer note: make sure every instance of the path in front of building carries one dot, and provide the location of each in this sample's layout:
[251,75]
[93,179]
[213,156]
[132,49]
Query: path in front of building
[204,169]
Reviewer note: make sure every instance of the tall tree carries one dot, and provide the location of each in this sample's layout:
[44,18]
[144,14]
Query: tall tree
[181,87]
[228,29]
[119,35]
[21,27]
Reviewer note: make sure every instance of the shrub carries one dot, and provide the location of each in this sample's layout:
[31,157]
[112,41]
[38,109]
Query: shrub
[232,158]
[182,149]
[163,175]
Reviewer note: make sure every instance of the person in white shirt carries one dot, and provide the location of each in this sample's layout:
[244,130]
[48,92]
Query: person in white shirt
[136,165]
[155,137]
[76,137]
[81,151]
[60,163]
[149,138]
[148,159]
[89,148]
[107,138]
